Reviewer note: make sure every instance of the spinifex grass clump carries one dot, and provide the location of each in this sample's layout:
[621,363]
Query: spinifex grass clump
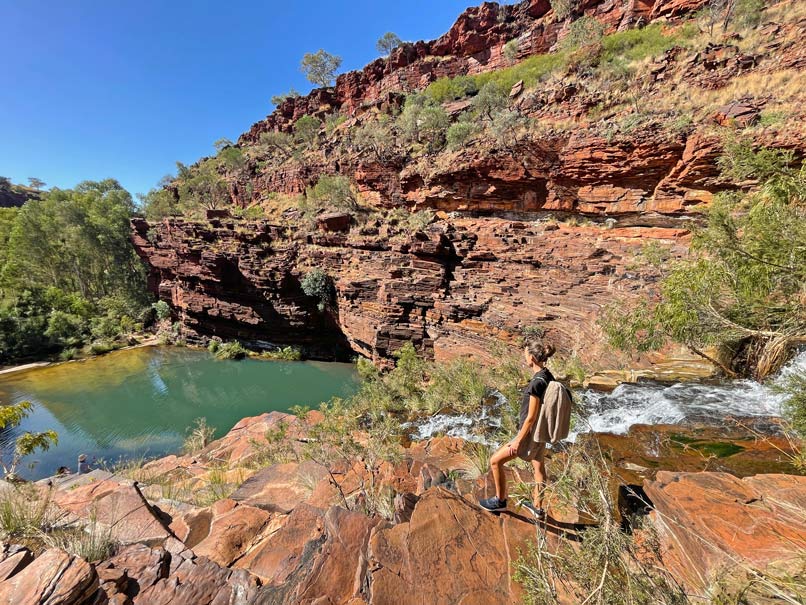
[608,565]
[199,436]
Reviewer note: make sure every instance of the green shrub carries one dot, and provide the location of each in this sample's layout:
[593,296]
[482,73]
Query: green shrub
[749,13]
[283,354]
[332,191]
[433,126]
[231,350]
[459,133]
[100,347]
[794,406]
[214,346]
[506,126]
[306,131]
[332,122]
[491,98]
[68,354]
[563,8]
[511,50]
[318,284]
[281,98]
[162,309]
[451,89]
[743,277]
[531,71]
[585,31]
[26,443]
[376,137]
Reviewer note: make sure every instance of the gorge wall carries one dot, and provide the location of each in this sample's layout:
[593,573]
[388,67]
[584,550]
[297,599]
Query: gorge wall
[544,231]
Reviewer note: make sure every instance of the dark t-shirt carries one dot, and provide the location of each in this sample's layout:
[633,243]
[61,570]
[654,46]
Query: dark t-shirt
[537,387]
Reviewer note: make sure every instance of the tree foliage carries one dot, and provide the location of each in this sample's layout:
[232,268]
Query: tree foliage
[320,67]
[68,272]
[744,286]
[27,443]
[387,43]
[423,121]
[376,137]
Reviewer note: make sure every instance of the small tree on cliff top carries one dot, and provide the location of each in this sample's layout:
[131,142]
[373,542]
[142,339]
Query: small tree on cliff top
[387,43]
[743,288]
[320,67]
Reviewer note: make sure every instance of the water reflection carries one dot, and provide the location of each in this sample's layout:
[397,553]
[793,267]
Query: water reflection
[139,402]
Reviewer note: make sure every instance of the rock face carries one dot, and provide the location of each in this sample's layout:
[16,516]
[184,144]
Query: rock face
[715,522]
[456,288]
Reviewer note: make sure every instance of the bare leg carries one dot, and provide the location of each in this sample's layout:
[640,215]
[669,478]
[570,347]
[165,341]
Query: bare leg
[539,466]
[497,462]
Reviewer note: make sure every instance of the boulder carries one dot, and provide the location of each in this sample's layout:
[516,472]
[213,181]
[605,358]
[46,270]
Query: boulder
[334,221]
[54,578]
[224,531]
[116,505]
[201,582]
[737,113]
[712,522]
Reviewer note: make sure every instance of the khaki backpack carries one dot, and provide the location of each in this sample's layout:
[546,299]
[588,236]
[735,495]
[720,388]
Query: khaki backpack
[554,421]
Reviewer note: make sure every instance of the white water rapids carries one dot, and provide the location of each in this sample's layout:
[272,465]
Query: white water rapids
[644,403]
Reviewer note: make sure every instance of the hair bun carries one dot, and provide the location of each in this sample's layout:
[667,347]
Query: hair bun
[548,351]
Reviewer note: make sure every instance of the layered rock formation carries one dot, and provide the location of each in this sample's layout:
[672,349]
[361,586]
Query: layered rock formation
[457,287]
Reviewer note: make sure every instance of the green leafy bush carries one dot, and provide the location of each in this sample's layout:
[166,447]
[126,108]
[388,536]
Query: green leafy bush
[318,284]
[283,354]
[458,134]
[26,443]
[636,44]
[491,98]
[585,31]
[332,191]
[230,350]
[162,310]
[511,50]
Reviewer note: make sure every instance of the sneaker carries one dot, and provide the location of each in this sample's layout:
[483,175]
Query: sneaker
[538,513]
[493,504]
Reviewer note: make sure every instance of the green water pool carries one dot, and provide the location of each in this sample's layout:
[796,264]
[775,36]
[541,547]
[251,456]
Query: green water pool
[139,402]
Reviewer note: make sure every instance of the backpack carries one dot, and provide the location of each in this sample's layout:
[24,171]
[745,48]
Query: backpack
[554,421]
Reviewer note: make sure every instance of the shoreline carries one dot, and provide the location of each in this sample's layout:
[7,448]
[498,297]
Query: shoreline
[34,365]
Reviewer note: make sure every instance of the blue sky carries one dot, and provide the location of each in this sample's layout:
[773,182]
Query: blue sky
[124,88]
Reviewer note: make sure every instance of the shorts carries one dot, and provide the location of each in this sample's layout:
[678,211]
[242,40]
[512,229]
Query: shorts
[530,449]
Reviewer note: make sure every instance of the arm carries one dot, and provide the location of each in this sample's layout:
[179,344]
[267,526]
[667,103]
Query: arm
[528,424]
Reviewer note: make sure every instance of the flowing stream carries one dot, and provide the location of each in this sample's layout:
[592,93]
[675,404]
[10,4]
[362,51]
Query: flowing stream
[642,403]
